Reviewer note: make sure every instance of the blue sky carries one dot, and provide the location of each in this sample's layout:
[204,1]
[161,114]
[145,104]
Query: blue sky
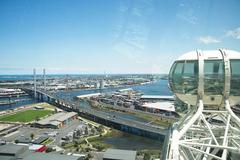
[112,36]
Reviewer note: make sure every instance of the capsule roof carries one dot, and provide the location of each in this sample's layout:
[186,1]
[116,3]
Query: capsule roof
[209,54]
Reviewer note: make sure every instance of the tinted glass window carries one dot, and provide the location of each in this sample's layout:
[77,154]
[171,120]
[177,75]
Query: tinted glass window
[184,77]
[235,77]
[176,77]
[190,77]
[213,77]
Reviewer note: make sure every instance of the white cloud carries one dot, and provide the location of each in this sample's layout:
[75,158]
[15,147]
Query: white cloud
[234,33]
[208,40]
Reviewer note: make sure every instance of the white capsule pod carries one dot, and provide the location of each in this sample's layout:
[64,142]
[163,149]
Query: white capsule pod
[212,76]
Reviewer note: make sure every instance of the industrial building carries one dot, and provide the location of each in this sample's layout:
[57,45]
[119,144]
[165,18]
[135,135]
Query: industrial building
[161,106]
[51,156]
[12,151]
[156,97]
[6,128]
[88,95]
[15,152]
[166,108]
[117,154]
[57,120]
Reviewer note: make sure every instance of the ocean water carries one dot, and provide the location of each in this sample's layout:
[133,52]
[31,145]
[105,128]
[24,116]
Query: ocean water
[15,77]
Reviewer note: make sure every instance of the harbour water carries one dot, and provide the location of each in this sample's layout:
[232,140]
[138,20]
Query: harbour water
[19,101]
[155,88]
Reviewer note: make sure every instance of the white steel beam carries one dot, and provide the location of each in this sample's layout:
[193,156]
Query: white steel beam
[198,150]
[235,149]
[209,129]
[225,140]
[192,120]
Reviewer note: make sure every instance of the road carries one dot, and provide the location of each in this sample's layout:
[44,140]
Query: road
[65,130]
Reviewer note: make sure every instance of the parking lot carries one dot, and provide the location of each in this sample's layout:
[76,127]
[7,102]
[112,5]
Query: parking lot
[56,134]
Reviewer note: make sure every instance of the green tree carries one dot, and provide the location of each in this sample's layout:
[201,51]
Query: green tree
[49,149]
[87,149]
[37,118]
[90,125]
[75,144]
[86,131]
[77,149]
[98,146]
[147,156]
[100,128]
[32,135]
[93,131]
[89,156]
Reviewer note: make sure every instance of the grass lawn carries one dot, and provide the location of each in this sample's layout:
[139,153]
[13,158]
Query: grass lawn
[25,116]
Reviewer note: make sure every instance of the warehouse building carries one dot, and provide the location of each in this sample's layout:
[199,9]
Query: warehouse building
[165,108]
[118,154]
[16,152]
[57,120]
[12,151]
[156,98]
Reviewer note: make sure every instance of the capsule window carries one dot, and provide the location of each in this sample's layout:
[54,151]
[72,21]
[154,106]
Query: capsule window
[213,77]
[176,77]
[235,78]
[184,77]
[190,77]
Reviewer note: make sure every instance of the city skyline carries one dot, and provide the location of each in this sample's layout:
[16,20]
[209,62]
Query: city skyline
[93,37]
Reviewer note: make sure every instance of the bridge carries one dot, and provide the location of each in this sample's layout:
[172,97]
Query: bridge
[110,120]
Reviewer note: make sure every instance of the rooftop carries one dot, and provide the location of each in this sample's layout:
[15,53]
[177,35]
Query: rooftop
[118,154]
[14,152]
[50,156]
[157,97]
[7,157]
[12,149]
[125,90]
[168,106]
[57,118]
[89,95]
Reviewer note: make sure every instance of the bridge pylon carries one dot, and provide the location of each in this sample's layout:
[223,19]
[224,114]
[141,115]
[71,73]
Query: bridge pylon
[35,83]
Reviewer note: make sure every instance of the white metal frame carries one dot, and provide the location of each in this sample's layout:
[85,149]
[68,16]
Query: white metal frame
[195,137]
